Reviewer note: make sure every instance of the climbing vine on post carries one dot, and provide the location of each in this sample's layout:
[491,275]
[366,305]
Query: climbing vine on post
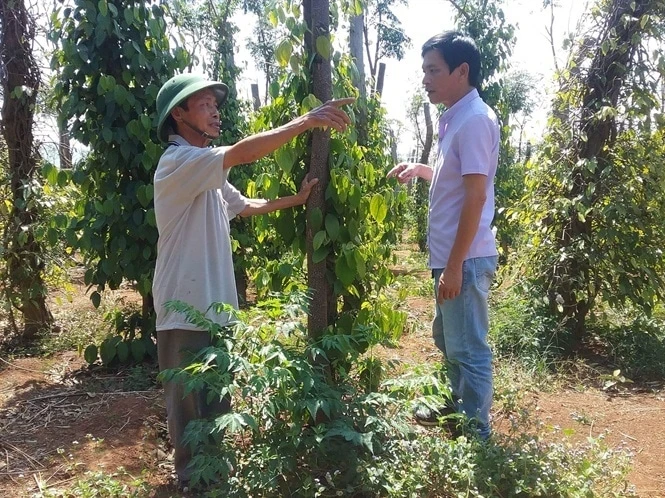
[113,57]
[352,234]
[21,248]
[595,200]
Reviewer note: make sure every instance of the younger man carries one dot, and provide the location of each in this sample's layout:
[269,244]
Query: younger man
[462,248]
[193,205]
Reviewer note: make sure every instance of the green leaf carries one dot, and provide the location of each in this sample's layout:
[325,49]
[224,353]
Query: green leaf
[319,239]
[285,227]
[310,102]
[320,254]
[323,46]
[294,63]
[138,349]
[274,89]
[63,178]
[234,422]
[272,17]
[332,226]
[378,208]
[316,218]
[361,267]
[90,354]
[150,218]
[103,7]
[137,217]
[283,52]
[107,352]
[52,236]
[50,172]
[358,7]
[286,158]
[122,350]
[343,272]
[96,299]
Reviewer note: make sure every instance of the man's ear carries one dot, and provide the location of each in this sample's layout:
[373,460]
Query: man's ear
[176,114]
[464,70]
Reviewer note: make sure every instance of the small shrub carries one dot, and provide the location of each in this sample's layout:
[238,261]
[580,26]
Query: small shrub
[638,348]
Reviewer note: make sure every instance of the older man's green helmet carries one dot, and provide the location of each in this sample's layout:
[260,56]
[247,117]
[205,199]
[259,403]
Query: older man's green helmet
[177,90]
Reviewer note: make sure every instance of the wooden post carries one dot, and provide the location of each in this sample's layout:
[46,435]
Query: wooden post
[379,80]
[356,37]
[255,96]
[321,312]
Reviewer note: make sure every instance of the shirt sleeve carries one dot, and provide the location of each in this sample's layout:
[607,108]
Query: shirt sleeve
[478,141]
[191,171]
[235,201]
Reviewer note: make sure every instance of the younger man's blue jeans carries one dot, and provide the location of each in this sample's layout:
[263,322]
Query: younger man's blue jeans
[460,330]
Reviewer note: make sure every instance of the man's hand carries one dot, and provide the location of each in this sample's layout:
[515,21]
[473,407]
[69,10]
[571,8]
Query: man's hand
[260,145]
[330,114]
[306,187]
[450,284]
[404,172]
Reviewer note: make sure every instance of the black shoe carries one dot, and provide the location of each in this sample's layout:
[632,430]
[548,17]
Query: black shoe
[183,485]
[430,417]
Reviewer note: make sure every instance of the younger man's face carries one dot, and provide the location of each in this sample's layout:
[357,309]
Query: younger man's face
[441,85]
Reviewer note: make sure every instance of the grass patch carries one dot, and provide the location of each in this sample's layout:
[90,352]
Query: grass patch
[101,485]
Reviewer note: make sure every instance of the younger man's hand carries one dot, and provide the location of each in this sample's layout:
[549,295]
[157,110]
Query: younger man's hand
[404,172]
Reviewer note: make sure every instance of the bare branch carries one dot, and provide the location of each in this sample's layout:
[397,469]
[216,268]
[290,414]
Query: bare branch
[460,9]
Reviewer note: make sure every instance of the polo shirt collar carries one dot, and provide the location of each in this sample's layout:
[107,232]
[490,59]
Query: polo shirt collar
[450,113]
[177,139]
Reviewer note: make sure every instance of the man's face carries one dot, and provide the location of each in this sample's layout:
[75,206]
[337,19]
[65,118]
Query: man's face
[441,85]
[201,112]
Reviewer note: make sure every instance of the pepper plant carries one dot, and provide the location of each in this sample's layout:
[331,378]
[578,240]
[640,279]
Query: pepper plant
[362,208]
[113,57]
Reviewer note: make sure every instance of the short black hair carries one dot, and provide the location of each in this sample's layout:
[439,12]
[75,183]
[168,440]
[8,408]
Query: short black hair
[456,48]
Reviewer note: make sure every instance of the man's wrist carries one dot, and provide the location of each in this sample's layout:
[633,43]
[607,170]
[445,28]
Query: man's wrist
[454,264]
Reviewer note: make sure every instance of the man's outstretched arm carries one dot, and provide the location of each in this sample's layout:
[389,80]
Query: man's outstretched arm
[260,145]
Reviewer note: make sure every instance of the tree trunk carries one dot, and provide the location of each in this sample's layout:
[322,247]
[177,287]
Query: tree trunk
[64,149]
[20,83]
[422,187]
[256,98]
[322,307]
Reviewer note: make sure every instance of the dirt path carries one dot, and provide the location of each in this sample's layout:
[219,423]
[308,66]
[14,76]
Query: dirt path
[55,430]
[58,420]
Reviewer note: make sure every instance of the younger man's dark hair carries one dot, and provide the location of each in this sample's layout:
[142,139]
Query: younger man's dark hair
[456,49]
